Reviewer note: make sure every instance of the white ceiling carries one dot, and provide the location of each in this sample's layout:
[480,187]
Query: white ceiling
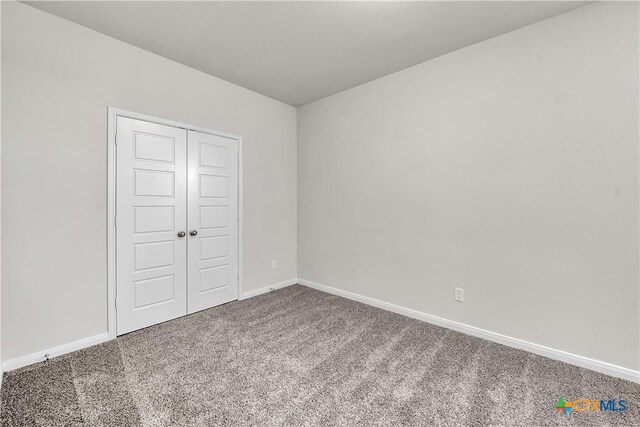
[299,52]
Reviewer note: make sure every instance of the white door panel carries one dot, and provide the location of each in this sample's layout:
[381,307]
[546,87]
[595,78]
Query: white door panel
[151,197]
[213,215]
[171,180]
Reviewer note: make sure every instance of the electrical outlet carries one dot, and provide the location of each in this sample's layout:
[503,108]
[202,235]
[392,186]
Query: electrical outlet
[459,294]
[274,264]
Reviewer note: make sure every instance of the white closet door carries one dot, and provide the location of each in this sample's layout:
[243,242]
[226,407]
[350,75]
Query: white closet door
[151,202]
[213,220]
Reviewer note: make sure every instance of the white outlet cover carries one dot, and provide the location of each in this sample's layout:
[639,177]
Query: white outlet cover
[459,294]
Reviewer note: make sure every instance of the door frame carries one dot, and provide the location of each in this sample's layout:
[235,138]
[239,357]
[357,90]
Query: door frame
[112,114]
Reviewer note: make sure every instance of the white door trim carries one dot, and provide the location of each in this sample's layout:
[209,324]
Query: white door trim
[111,201]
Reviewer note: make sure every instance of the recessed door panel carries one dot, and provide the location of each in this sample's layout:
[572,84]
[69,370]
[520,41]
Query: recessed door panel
[216,156]
[153,183]
[151,194]
[153,255]
[213,215]
[153,291]
[154,147]
[214,247]
[153,219]
[214,186]
[214,278]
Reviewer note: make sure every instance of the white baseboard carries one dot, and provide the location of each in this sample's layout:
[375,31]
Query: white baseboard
[551,353]
[266,289]
[39,356]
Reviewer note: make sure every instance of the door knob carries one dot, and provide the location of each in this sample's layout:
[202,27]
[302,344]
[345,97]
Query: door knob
[181,234]
[193,233]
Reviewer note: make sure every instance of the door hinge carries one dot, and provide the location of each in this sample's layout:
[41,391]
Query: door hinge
[116,302]
[115,221]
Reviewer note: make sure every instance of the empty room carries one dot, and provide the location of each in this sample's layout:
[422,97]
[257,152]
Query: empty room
[320,213]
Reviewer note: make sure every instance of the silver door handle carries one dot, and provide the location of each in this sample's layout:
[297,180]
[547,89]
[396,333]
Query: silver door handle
[193,233]
[181,234]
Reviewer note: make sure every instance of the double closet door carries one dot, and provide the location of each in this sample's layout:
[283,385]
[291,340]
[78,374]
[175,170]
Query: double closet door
[176,222]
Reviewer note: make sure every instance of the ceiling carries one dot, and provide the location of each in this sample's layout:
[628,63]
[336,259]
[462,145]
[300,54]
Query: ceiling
[298,52]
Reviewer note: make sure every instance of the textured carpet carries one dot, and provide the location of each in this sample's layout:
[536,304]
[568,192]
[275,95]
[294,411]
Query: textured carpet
[298,356]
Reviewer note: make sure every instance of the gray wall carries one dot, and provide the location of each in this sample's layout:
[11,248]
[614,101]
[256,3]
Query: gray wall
[508,168]
[57,81]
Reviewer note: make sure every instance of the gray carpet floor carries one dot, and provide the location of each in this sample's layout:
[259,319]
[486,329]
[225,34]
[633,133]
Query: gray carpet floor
[297,357]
